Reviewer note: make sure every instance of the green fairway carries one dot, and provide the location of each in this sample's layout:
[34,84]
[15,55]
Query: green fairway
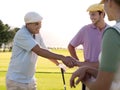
[48,75]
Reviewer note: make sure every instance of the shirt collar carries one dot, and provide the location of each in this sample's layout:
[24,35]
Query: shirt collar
[94,27]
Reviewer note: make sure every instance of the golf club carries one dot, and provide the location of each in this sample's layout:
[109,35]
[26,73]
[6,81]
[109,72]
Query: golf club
[62,71]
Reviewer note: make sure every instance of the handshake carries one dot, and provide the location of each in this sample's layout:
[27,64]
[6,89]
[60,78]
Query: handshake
[70,61]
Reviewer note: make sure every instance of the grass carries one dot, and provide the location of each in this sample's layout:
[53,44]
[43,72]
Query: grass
[48,75]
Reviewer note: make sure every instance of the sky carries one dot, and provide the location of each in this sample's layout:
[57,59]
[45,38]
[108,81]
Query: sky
[62,19]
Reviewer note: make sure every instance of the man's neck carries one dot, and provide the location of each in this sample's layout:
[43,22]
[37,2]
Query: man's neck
[101,25]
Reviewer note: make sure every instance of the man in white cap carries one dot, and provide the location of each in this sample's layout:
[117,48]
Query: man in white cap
[27,45]
[90,37]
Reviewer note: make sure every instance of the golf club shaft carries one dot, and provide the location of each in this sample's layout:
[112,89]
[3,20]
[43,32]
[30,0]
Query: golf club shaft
[62,71]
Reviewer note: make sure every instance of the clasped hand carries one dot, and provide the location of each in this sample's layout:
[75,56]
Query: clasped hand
[69,61]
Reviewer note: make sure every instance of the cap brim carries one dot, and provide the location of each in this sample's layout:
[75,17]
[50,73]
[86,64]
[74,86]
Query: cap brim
[102,2]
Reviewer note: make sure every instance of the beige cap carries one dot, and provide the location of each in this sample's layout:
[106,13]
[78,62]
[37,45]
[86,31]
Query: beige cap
[102,1]
[96,7]
[32,17]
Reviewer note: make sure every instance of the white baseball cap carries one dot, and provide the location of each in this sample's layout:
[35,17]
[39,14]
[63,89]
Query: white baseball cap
[32,17]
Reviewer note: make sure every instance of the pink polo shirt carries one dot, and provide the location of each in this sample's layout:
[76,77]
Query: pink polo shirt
[90,37]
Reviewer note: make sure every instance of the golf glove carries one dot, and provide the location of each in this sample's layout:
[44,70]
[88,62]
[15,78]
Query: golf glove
[62,66]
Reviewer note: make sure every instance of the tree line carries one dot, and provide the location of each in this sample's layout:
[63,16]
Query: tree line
[6,34]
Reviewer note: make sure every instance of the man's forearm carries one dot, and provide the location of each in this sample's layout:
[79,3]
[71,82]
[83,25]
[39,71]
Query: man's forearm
[72,51]
[91,64]
[47,54]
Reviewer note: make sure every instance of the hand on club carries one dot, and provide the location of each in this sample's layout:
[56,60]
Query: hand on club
[62,66]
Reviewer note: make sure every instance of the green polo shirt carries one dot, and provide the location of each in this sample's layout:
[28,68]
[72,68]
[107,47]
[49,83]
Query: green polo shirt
[110,56]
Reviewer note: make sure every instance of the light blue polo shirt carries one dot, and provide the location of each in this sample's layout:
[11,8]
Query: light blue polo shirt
[23,60]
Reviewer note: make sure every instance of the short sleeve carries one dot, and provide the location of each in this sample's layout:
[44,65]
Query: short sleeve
[24,41]
[78,38]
